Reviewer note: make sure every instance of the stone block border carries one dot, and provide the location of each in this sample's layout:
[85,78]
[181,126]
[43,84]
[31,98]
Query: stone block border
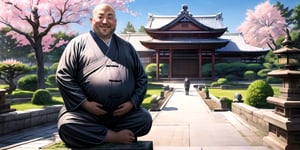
[253,116]
[18,120]
[161,100]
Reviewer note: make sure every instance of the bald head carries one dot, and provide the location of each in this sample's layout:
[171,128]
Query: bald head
[105,7]
[104,21]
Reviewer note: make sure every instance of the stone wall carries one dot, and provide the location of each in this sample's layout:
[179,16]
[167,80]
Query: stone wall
[252,115]
[18,120]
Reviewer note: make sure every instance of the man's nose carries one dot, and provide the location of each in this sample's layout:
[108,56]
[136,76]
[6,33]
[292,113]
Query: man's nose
[104,20]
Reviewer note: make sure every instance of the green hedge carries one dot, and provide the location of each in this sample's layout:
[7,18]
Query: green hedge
[28,82]
[257,93]
[41,97]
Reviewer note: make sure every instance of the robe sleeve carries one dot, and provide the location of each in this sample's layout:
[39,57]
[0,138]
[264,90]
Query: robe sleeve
[141,80]
[67,75]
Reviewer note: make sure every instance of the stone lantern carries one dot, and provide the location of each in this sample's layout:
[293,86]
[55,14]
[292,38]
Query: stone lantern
[284,121]
[4,106]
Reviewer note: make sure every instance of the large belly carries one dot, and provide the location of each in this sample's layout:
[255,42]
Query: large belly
[111,85]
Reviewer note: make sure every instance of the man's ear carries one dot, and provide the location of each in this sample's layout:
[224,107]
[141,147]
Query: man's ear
[91,19]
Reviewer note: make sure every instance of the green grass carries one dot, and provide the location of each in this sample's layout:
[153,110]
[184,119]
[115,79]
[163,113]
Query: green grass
[230,93]
[56,98]
[29,105]
[25,106]
[153,89]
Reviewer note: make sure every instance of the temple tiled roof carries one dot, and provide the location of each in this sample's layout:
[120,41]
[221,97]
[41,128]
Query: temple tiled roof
[185,29]
[213,21]
[189,41]
[135,38]
[238,44]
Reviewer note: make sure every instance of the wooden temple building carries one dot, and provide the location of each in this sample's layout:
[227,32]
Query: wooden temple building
[186,42]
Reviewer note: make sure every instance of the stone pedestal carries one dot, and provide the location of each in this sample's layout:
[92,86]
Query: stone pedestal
[4,107]
[284,121]
[139,145]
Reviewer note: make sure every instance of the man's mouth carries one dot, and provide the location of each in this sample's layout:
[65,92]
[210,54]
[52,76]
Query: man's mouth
[105,27]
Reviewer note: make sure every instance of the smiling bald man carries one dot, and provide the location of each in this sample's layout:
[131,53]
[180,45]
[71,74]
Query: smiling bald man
[103,83]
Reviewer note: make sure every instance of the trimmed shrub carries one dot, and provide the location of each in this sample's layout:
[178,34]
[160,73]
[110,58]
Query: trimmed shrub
[268,65]
[257,94]
[221,69]
[41,97]
[249,75]
[254,67]
[237,68]
[214,84]
[232,77]
[28,82]
[151,70]
[53,67]
[220,81]
[263,73]
[51,80]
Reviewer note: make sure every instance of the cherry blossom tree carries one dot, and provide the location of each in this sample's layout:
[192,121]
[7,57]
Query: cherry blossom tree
[263,26]
[33,22]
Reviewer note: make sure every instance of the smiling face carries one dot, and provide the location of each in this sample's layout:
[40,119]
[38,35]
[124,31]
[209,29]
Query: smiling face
[104,21]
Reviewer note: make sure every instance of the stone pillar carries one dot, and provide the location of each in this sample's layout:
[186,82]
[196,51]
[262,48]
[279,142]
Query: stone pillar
[284,121]
[4,107]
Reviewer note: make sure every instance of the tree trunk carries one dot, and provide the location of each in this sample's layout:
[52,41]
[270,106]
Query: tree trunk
[10,80]
[40,66]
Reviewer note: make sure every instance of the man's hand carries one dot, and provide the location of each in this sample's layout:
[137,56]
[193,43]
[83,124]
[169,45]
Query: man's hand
[93,108]
[123,109]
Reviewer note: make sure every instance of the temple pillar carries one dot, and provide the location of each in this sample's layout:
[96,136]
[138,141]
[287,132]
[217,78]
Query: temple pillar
[157,64]
[170,64]
[200,63]
[213,61]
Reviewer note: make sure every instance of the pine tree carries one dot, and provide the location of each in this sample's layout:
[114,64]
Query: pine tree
[129,28]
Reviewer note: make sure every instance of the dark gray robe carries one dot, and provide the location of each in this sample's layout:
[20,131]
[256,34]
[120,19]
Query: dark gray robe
[89,70]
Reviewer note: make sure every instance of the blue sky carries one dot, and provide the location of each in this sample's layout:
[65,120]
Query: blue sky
[234,11]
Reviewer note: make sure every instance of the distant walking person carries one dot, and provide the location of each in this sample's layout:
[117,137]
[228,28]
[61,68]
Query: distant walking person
[187,85]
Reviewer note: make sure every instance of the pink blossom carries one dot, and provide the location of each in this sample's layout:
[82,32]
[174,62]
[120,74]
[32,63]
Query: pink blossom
[52,15]
[11,61]
[262,25]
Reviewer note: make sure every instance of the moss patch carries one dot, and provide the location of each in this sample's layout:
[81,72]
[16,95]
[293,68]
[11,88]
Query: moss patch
[55,146]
